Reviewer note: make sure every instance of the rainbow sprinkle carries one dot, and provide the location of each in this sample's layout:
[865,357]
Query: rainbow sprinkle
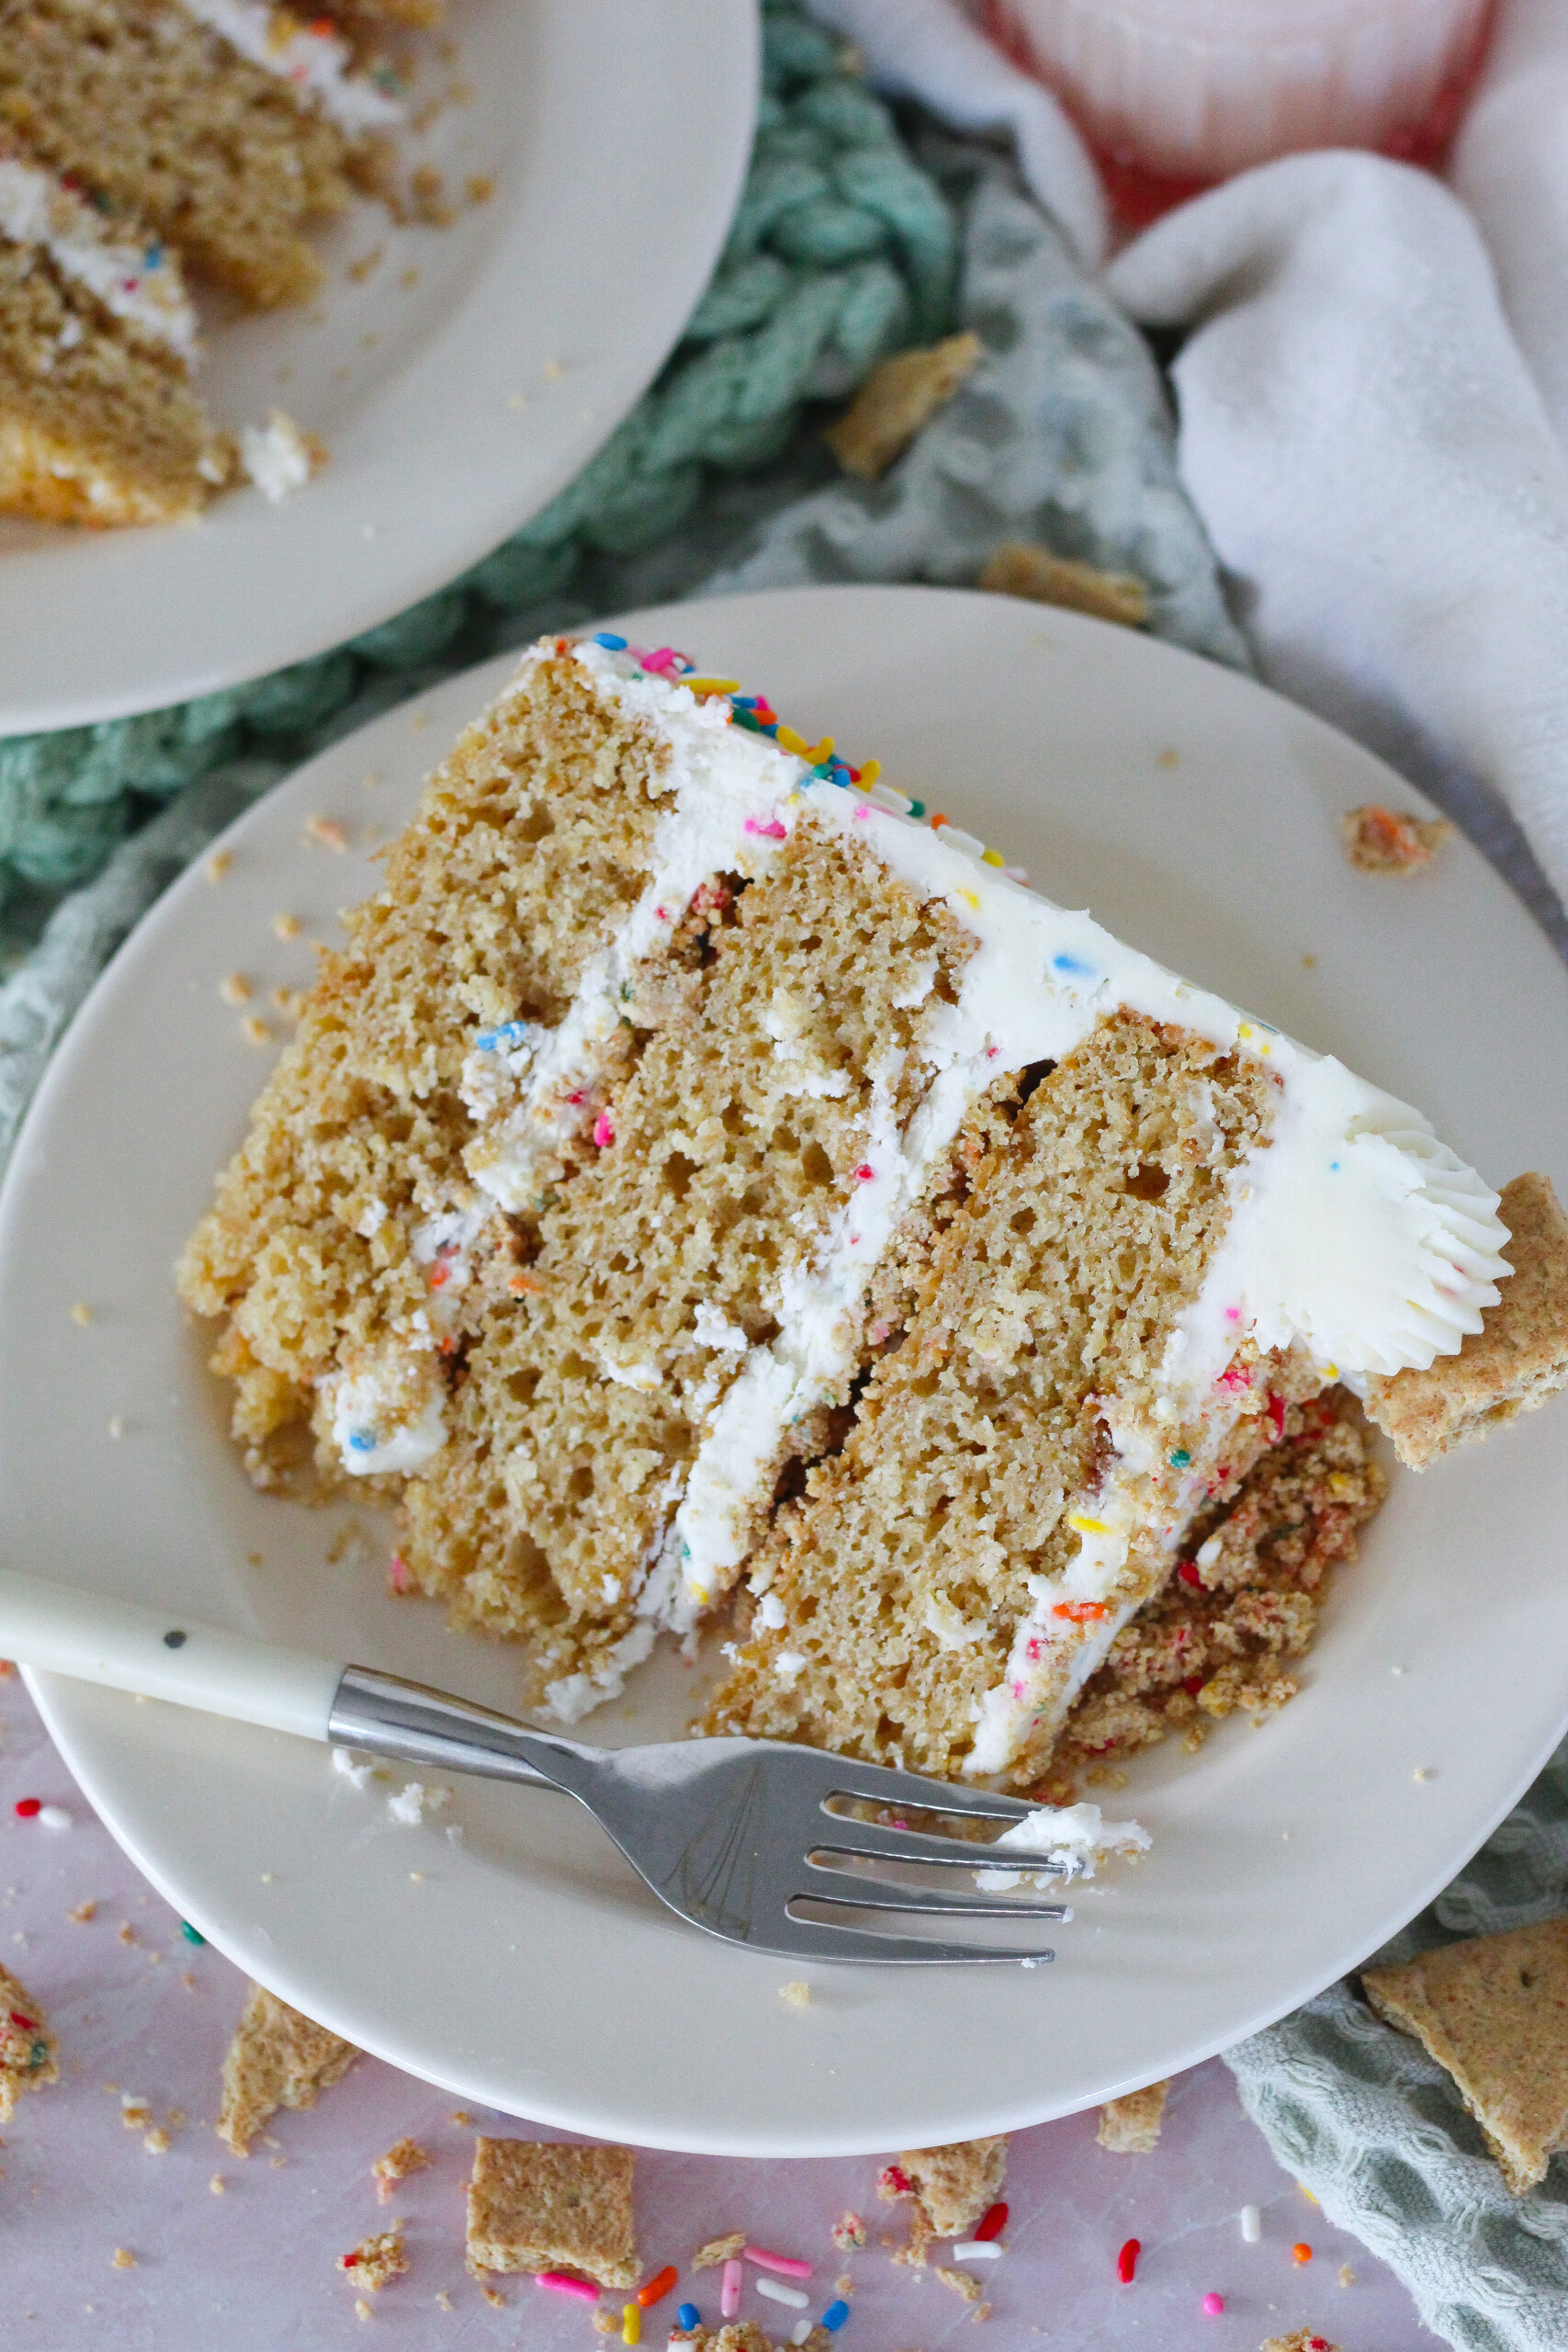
[757,715]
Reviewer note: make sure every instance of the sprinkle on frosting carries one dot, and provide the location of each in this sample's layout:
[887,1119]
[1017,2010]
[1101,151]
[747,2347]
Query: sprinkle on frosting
[136,278]
[314,59]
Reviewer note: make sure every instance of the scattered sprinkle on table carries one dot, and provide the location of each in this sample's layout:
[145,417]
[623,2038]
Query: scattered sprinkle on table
[556,2282]
[992,2222]
[192,1935]
[835,2315]
[1251,2224]
[1301,2251]
[977,2250]
[789,2265]
[777,2292]
[688,2316]
[54,1817]
[729,2290]
[657,2288]
[631,2324]
[1212,2305]
[1127,2262]
[28,1808]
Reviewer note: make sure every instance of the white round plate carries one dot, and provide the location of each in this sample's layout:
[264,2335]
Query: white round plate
[526,1967]
[458,385]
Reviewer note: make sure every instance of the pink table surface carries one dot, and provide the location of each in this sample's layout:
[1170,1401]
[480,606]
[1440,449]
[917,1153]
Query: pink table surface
[253,2269]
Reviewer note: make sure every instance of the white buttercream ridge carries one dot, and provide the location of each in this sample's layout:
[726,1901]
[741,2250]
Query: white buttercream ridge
[312,59]
[136,278]
[1071,1839]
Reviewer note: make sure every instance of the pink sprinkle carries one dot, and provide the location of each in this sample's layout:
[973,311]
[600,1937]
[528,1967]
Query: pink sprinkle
[788,2266]
[865,1173]
[729,2290]
[1235,1376]
[991,1052]
[664,659]
[1031,1648]
[774,832]
[1233,1314]
[660,914]
[398,1573]
[1213,2306]
[560,2284]
[603,1130]
[1018,1689]
[877,1333]
[862,815]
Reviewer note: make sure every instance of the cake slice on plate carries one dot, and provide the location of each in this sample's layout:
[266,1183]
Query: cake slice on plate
[226,124]
[705,1172]
[98,420]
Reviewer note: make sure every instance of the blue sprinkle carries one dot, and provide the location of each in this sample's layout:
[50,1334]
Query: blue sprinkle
[688,2316]
[509,1034]
[743,702]
[609,642]
[1334,1165]
[834,2317]
[362,1441]
[192,1935]
[153,257]
[1073,963]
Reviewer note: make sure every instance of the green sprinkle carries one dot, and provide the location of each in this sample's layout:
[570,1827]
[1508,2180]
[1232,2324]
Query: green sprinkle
[1180,1458]
[37,2056]
[917,807]
[192,1935]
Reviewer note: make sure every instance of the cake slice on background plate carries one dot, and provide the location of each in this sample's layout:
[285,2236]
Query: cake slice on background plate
[227,125]
[704,1174]
[98,420]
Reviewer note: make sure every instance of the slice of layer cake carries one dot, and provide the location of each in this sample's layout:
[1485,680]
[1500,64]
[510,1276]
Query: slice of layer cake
[98,422]
[701,1172]
[227,124]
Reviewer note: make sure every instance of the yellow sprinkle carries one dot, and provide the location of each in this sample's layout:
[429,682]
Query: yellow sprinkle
[992,857]
[631,2324]
[820,751]
[1087,1526]
[700,1595]
[971,899]
[713,686]
[1244,1030]
[869,774]
[788,741]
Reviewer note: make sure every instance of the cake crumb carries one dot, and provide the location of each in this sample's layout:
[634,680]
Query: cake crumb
[795,1994]
[375,2260]
[604,2324]
[217,865]
[156,2142]
[848,2233]
[497,2303]
[1130,2126]
[235,988]
[1517,1360]
[1017,569]
[84,1911]
[542,2205]
[255,1030]
[481,187]
[717,2250]
[218,2185]
[403,2157]
[443,2300]
[287,926]
[1381,841]
[360,270]
[361,2308]
[956,2184]
[277,2058]
[460,2115]
[326,833]
[81,1312]
[123,2258]
[962,2282]
[896,402]
[1304,2340]
[1347,2276]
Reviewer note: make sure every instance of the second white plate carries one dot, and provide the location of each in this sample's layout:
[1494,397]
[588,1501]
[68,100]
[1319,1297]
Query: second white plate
[460,382]
[525,1967]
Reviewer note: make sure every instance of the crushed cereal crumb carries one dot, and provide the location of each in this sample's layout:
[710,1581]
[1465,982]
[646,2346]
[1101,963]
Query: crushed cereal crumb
[123,2258]
[796,1994]
[405,2156]
[81,1313]
[217,865]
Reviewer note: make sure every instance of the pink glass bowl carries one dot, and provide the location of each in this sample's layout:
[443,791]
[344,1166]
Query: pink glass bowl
[1190,90]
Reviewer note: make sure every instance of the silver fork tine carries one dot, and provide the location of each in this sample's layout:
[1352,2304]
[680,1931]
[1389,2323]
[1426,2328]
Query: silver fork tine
[957,1905]
[842,1939]
[878,1839]
[879,1784]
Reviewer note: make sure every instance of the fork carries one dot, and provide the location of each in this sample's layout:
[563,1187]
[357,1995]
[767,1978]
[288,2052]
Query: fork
[732,1833]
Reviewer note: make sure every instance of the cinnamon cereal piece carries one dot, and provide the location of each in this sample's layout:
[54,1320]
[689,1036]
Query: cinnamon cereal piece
[717,2250]
[1493,2012]
[1016,569]
[541,2205]
[898,400]
[277,2058]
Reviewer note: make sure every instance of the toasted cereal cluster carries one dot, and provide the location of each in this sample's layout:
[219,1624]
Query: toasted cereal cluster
[28,2052]
[277,2058]
[543,2205]
[376,2260]
[1130,2126]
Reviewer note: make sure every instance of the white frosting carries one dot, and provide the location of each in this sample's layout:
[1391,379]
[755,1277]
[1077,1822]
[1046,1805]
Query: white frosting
[277,456]
[315,63]
[387,1413]
[1071,1837]
[136,279]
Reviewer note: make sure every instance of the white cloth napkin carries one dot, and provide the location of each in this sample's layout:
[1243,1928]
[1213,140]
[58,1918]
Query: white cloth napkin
[1376,469]
[1510,166]
[929,50]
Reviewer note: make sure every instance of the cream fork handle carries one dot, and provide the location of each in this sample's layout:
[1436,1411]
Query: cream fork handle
[164,1656]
